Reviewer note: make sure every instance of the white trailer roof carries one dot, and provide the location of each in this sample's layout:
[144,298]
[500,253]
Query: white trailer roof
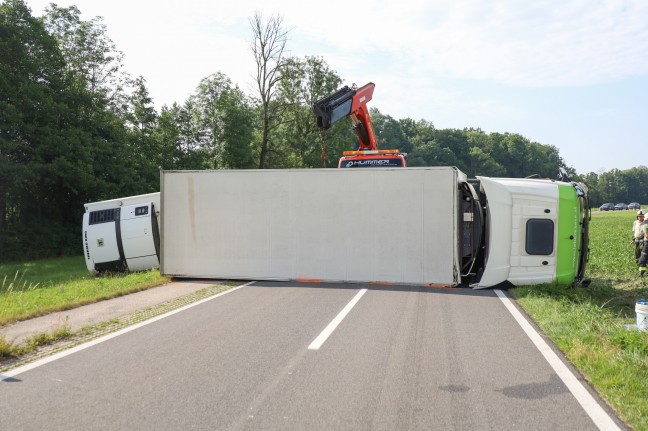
[129,200]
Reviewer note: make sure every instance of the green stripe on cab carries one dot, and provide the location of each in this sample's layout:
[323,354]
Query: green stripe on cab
[568,234]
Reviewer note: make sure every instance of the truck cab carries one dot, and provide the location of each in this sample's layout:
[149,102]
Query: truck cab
[536,231]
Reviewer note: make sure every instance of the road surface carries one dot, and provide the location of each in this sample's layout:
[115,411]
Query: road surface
[400,358]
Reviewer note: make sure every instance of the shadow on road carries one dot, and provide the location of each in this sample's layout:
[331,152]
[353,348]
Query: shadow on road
[439,290]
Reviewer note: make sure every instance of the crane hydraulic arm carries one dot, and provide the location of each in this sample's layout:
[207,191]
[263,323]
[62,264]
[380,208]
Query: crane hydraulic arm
[352,102]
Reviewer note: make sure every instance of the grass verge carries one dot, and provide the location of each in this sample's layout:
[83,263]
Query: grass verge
[37,288]
[9,349]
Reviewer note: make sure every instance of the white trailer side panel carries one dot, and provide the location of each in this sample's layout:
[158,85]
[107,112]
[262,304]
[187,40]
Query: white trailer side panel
[352,225]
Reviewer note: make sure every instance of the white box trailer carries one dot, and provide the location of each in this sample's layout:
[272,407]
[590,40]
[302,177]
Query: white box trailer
[122,234]
[422,226]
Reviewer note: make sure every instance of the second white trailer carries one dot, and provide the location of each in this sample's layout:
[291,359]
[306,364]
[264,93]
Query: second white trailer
[122,234]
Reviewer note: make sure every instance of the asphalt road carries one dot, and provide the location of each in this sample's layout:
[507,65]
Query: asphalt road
[403,358]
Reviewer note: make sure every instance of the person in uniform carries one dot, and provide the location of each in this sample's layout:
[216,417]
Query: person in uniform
[643,258]
[638,234]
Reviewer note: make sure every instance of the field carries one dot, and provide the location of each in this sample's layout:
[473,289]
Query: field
[587,324]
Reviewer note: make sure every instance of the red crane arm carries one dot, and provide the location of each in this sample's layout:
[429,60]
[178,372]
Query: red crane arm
[361,119]
[351,102]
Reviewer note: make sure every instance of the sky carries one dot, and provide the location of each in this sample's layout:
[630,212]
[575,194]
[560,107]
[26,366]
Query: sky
[567,73]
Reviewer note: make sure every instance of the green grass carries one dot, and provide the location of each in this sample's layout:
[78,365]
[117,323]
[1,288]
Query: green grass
[588,324]
[37,288]
[10,349]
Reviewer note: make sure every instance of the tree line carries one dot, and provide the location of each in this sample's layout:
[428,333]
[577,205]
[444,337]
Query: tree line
[75,127]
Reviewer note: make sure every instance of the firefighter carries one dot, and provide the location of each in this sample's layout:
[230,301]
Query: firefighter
[638,234]
[643,258]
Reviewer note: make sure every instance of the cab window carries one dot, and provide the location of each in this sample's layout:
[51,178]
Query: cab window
[539,236]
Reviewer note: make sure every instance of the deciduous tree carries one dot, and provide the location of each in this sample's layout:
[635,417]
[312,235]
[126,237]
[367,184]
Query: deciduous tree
[269,40]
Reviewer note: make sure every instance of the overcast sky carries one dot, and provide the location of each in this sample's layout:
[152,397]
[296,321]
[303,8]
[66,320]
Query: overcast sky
[569,73]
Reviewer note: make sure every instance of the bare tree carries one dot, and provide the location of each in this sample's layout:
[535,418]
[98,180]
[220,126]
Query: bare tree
[268,45]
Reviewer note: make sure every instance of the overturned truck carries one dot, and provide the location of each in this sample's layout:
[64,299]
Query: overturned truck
[422,226]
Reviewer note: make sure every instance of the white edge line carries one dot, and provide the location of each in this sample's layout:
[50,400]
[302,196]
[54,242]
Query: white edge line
[600,417]
[322,337]
[64,353]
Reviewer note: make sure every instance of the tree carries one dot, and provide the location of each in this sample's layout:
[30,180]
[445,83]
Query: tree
[44,155]
[94,73]
[268,45]
[91,57]
[637,179]
[591,181]
[389,132]
[417,132]
[612,186]
[141,120]
[420,135]
[303,82]
[172,136]
[238,133]
[483,164]
[222,123]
